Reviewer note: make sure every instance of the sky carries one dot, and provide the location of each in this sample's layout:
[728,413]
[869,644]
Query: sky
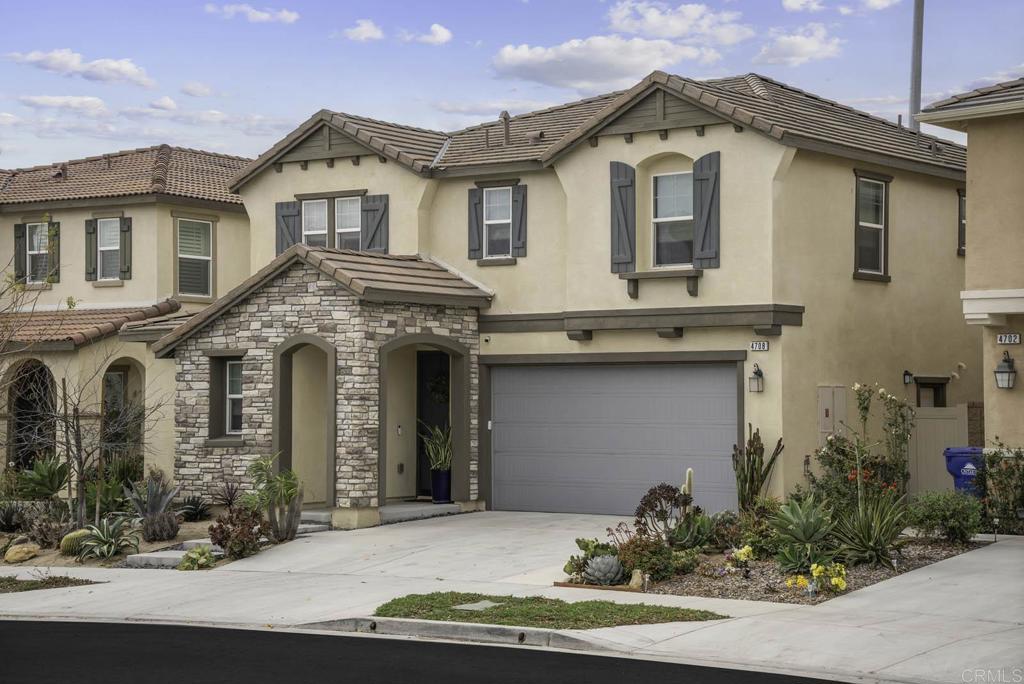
[80,78]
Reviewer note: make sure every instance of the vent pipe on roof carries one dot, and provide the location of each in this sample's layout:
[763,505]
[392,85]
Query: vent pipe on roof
[504,117]
[915,65]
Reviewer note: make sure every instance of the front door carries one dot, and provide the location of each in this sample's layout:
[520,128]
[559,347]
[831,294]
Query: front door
[433,389]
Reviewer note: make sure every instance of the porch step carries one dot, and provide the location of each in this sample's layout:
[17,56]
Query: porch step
[155,559]
[309,528]
[319,517]
[403,512]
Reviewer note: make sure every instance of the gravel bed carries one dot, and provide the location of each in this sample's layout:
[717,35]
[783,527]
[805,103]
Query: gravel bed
[767,583]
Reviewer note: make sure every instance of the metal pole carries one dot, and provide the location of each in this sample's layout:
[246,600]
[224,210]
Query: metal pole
[915,65]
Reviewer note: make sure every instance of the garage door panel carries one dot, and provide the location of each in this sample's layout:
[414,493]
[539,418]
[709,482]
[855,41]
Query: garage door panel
[593,439]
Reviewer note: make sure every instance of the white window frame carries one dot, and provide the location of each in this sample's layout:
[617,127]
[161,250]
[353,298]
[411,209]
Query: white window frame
[208,259]
[881,228]
[344,231]
[327,220]
[100,250]
[229,397]
[29,252]
[487,223]
[664,219]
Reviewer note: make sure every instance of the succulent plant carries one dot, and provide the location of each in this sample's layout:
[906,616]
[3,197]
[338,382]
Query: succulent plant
[158,523]
[194,508]
[71,544]
[160,527]
[604,570]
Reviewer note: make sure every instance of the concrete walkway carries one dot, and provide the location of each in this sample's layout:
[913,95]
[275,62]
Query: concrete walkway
[932,624]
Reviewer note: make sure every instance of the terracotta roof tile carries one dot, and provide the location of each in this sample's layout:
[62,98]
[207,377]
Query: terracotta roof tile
[160,169]
[76,327]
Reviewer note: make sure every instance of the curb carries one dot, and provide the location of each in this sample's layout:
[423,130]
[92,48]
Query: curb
[460,631]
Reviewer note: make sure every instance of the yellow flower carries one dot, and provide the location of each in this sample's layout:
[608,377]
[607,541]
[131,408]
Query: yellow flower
[789,583]
[817,570]
[839,583]
[802,582]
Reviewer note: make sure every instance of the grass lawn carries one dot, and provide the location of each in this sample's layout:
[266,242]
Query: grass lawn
[10,585]
[536,611]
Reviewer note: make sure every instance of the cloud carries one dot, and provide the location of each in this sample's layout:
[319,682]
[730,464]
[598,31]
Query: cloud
[363,31]
[196,89]
[253,15]
[595,63]
[808,43]
[67,63]
[248,124]
[80,104]
[491,107]
[438,35]
[1000,76]
[845,10]
[7,119]
[165,103]
[878,4]
[803,6]
[687,21]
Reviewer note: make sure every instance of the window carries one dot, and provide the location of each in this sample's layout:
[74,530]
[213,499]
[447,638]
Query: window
[871,239]
[314,223]
[961,223]
[497,222]
[233,392]
[673,219]
[195,257]
[38,266]
[931,394]
[108,248]
[348,221]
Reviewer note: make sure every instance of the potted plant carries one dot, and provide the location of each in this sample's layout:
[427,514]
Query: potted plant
[437,441]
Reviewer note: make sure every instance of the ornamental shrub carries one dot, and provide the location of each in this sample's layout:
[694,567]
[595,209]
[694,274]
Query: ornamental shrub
[239,531]
[756,531]
[953,516]
[649,555]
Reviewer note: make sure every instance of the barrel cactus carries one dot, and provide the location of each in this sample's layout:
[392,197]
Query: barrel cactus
[71,544]
[603,570]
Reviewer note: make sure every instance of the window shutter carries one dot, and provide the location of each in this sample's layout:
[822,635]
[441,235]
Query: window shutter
[53,247]
[289,224]
[476,223]
[518,220]
[374,236]
[623,219]
[125,248]
[20,252]
[707,182]
[90,249]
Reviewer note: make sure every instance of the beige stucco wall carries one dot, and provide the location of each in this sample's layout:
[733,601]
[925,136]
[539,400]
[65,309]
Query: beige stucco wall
[862,331]
[995,203]
[401,416]
[406,192]
[309,422]
[1004,409]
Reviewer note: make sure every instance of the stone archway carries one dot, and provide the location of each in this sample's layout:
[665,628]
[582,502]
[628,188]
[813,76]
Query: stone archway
[398,375]
[305,415]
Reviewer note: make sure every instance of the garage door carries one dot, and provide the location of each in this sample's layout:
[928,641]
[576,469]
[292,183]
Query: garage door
[593,439]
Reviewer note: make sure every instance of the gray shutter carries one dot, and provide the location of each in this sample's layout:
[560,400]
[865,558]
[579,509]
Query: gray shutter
[90,249]
[125,248]
[623,219]
[476,223]
[518,220]
[53,247]
[20,252]
[289,224]
[374,232]
[707,183]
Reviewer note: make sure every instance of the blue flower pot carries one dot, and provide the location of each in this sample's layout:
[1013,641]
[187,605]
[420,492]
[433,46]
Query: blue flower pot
[441,486]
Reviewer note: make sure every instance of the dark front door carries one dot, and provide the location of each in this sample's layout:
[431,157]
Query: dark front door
[433,384]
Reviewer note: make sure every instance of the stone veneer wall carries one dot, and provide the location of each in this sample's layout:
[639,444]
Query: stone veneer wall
[303,300]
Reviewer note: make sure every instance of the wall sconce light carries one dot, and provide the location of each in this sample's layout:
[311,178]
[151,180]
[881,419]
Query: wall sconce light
[908,377]
[1006,374]
[756,381]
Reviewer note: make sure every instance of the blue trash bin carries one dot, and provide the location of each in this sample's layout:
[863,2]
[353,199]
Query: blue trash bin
[963,463]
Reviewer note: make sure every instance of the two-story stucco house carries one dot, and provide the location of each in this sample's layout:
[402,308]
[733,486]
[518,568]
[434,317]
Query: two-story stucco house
[993,296]
[137,240]
[596,295]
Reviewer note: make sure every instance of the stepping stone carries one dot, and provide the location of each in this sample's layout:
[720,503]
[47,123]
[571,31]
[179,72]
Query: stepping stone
[195,543]
[478,606]
[155,559]
[309,528]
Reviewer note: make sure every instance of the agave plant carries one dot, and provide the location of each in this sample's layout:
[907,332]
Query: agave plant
[158,523]
[804,531]
[45,480]
[870,532]
[108,539]
[693,531]
[194,508]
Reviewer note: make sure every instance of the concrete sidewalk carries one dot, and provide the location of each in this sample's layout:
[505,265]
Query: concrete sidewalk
[963,613]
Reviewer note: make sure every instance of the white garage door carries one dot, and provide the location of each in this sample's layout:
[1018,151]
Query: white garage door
[593,439]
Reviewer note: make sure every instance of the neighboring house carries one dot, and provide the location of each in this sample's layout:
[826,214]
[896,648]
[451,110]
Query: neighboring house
[141,237]
[993,239]
[593,293]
